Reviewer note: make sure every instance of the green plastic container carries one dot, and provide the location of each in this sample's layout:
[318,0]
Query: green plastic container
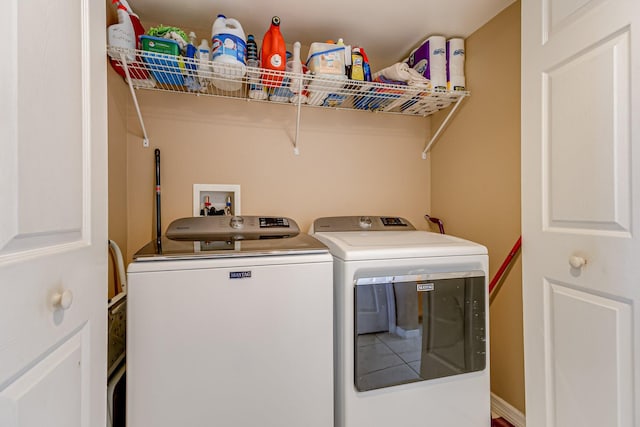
[159,45]
[163,59]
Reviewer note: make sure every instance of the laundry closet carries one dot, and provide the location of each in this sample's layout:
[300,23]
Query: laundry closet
[348,161]
[75,174]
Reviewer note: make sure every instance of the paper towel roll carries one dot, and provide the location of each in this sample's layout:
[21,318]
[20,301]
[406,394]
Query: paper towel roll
[430,60]
[455,64]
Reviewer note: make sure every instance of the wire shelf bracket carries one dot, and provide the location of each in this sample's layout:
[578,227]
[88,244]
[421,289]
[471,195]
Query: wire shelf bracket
[441,128]
[145,138]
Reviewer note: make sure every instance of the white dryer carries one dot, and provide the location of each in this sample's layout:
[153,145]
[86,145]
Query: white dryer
[230,324]
[411,325]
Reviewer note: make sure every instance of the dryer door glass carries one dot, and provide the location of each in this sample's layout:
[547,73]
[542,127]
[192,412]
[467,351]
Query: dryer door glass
[418,327]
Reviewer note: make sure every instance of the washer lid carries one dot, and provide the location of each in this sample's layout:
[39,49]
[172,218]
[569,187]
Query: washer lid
[170,249]
[226,236]
[371,245]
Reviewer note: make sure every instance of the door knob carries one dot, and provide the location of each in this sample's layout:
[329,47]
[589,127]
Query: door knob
[63,299]
[577,261]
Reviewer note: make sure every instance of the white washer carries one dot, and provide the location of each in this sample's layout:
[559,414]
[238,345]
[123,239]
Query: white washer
[411,325]
[230,327]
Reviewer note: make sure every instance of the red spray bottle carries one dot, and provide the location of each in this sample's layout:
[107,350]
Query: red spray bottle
[274,54]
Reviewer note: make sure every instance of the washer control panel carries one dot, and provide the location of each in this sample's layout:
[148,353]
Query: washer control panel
[212,228]
[389,221]
[274,222]
[361,223]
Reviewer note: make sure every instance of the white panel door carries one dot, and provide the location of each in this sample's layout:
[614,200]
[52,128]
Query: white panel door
[53,241]
[581,234]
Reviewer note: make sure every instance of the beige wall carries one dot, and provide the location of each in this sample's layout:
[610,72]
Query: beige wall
[476,182]
[350,162]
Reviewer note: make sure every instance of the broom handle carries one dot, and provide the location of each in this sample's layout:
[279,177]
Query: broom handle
[158,216]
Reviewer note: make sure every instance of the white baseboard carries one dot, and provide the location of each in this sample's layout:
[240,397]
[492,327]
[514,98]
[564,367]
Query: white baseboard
[502,409]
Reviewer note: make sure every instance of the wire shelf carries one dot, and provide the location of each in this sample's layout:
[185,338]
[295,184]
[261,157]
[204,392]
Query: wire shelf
[162,72]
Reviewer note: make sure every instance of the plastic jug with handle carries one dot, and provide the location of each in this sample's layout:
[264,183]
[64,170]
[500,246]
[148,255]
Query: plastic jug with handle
[273,55]
[228,53]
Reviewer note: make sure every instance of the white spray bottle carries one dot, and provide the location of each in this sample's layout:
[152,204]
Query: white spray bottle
[297,79]
[122,35]
[296,69]
[204,66]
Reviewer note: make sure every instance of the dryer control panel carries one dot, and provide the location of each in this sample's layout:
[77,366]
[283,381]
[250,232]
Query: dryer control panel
[361,223]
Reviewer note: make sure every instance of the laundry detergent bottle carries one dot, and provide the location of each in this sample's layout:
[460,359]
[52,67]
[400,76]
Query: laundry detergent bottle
[228,53]
[273,54]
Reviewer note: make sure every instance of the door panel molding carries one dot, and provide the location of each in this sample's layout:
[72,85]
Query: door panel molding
[53,214]
[575,320]
[586,169]
[59,378]
[8,123]
[558,15]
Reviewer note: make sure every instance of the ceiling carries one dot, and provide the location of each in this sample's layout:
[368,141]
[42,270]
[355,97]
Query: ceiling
[387,32]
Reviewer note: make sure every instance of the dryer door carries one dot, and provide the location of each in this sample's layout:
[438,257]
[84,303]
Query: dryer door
[436,328]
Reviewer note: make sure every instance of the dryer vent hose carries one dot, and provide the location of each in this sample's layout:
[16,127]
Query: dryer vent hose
[436,221]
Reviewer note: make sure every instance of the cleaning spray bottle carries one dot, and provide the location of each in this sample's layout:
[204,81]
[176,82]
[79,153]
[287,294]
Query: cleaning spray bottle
[122,35]
[256,89]
[359,65]
[204,68]
[135,20]
[274,54]
[139,74]
[191,63]
[297,82]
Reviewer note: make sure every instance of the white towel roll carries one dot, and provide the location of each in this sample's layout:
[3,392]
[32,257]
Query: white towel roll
[430,60]
[455,64]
